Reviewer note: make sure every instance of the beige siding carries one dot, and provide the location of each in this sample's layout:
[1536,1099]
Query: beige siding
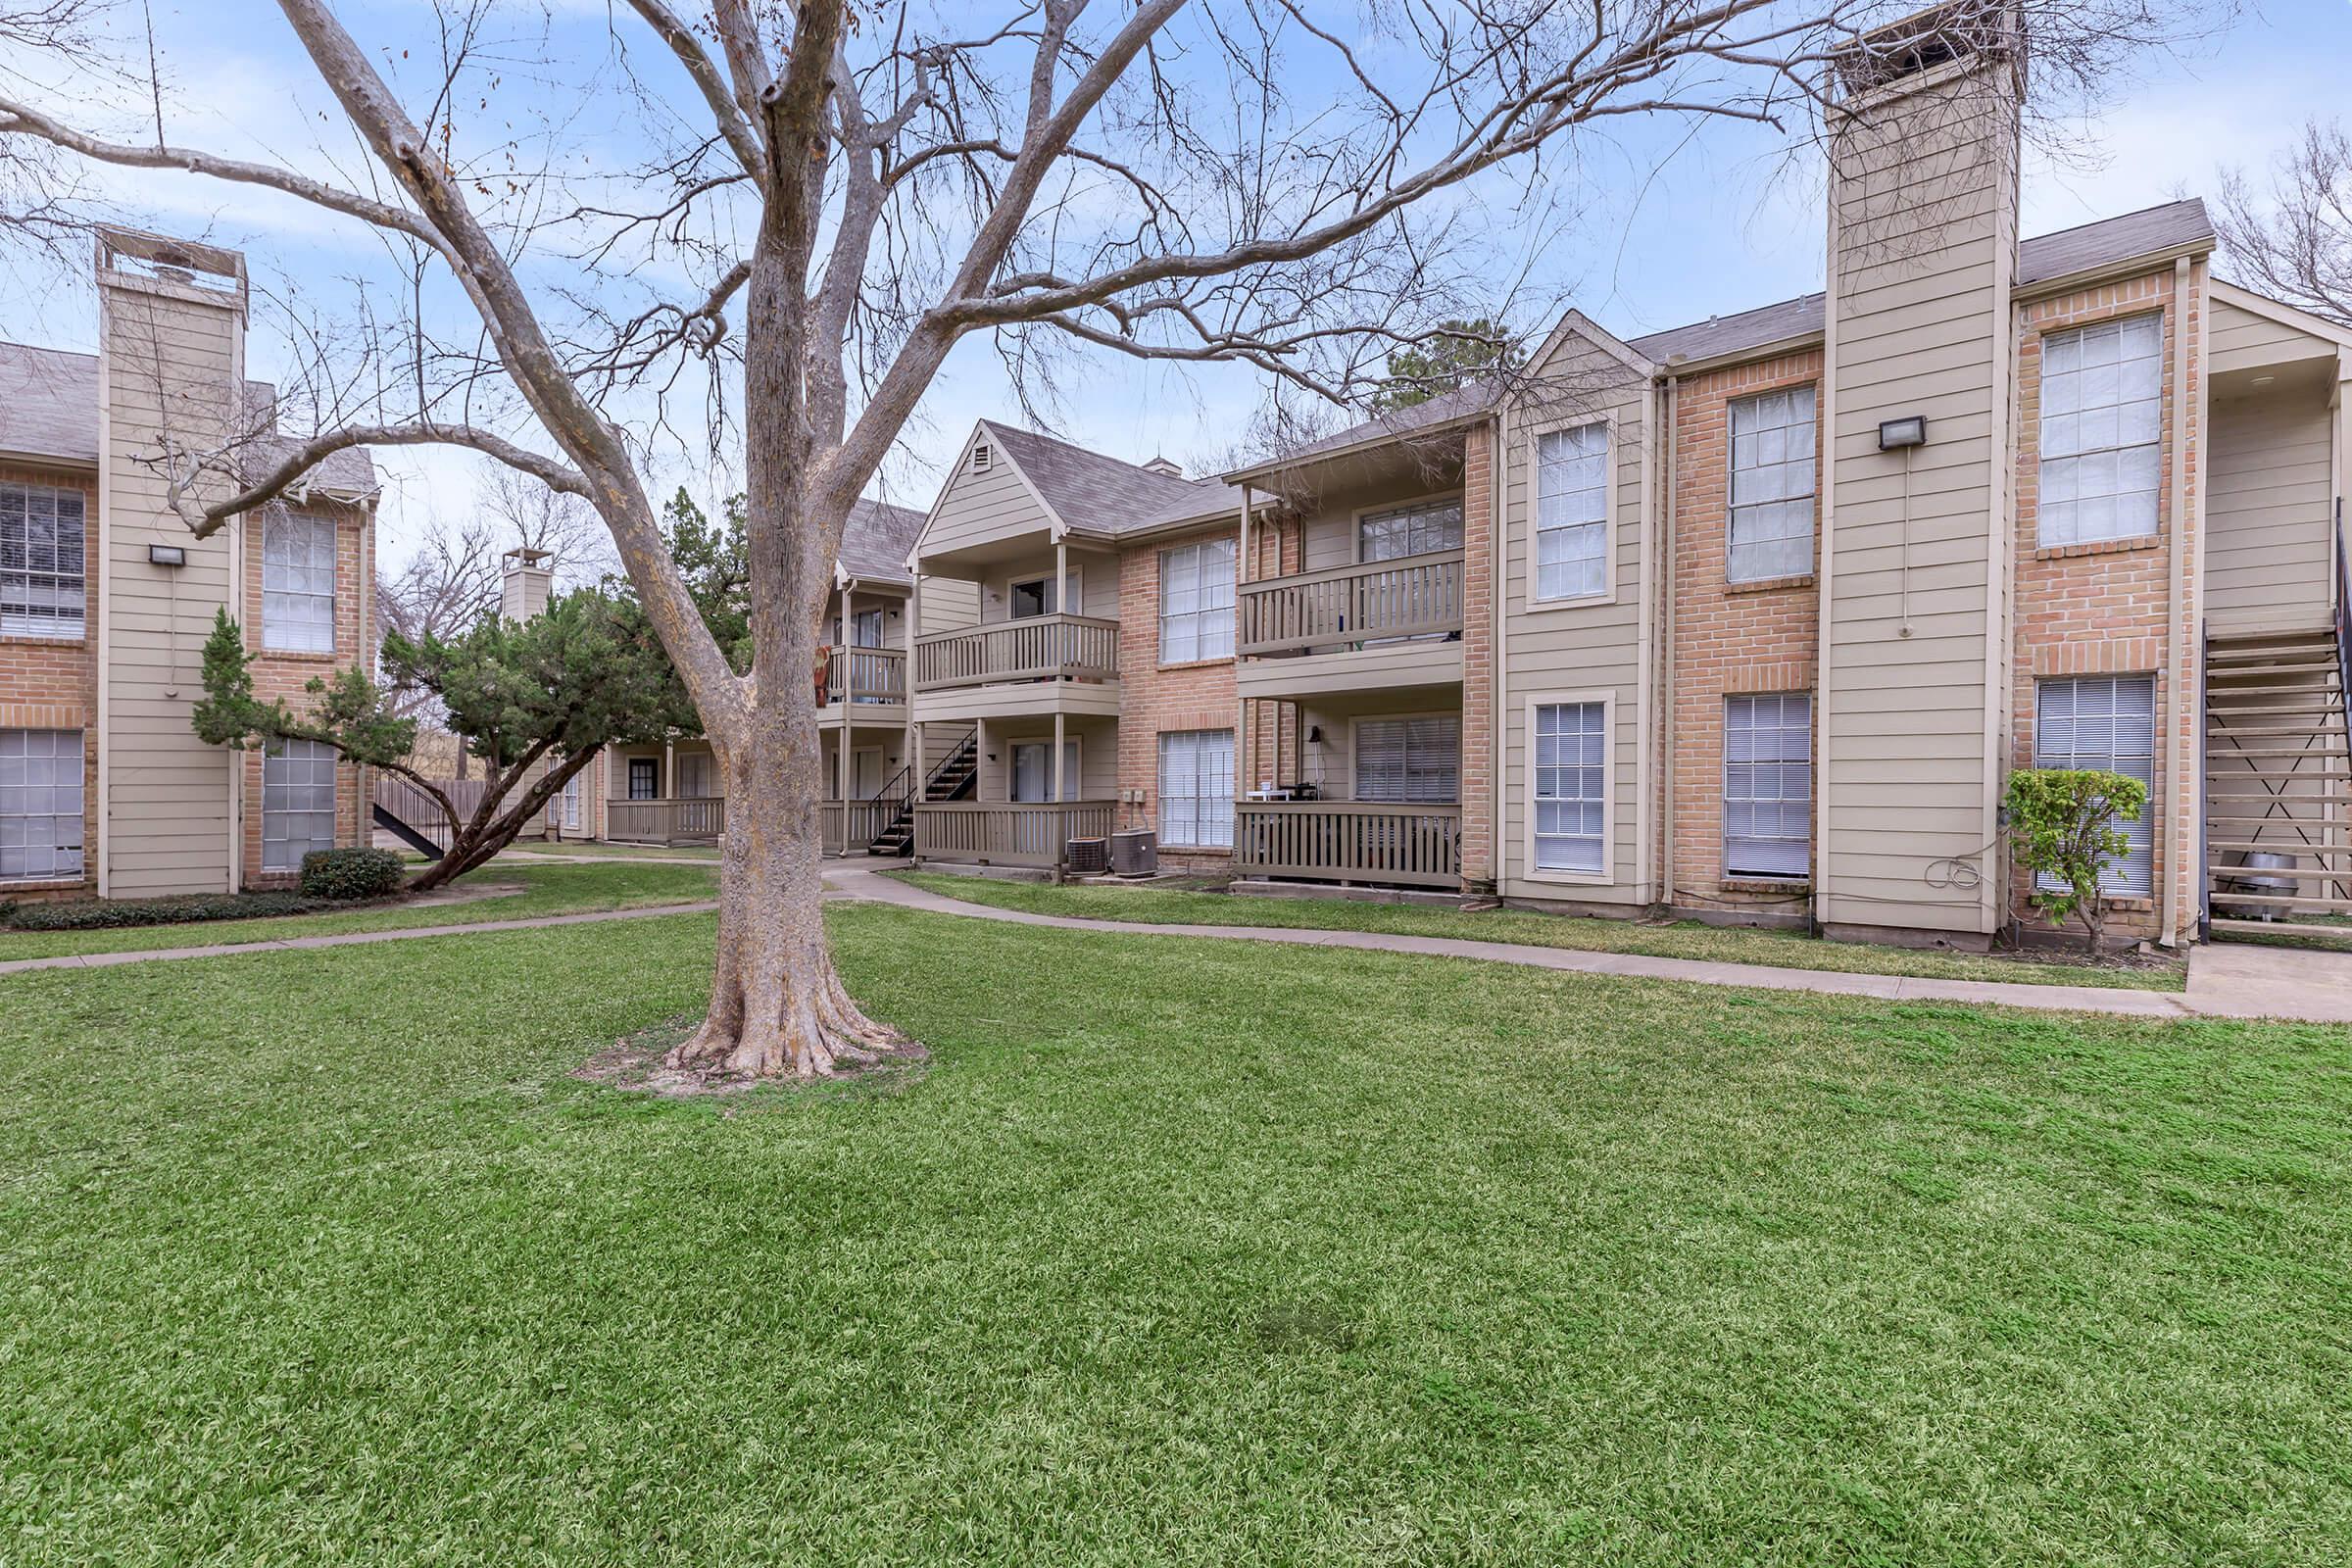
[1577,649]
[978,508]
[2267,513]
[1924,209]
[2240,340]
[172,358]
[1327,518]
[863,601]
[1093,585]
[1098,755]
[950,603]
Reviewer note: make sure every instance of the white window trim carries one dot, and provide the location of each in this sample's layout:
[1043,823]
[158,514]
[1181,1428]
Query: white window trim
[1353,719]
[1160,608]
[1358,514]
[1526,792]
[83,612]
[334,594]
[1527,439]
[1159,780]
[1723,835]
[1044,738]
[1813,545]
[1076,586]
[2161,527]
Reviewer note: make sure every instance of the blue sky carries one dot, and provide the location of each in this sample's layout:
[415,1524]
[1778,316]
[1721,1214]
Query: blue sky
[1732,219]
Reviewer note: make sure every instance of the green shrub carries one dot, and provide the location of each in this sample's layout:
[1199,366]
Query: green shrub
[2062,824]
[100,914]
[349,874]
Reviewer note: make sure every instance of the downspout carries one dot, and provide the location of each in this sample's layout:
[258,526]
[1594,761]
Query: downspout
[1668,510]
[1498,721]
[2177,643]
[1646,647]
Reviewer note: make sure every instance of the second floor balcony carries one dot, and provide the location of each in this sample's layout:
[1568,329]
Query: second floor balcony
[1028,664]
[1395,622]
[860,680]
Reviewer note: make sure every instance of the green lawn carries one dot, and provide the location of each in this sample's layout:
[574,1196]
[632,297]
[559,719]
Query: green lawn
[1686,939]
[543,890]
[626,852]
[1178,1254]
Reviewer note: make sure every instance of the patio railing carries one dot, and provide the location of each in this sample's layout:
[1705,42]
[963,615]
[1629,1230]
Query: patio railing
[1007,833]
[869,675]
[1033,648]
[1345,606]
[1349,841]
[675,821]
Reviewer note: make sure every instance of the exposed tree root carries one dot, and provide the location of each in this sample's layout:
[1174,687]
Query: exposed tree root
[789,1025]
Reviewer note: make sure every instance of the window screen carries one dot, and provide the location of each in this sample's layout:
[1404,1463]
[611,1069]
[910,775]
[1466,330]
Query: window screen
[1571,780]
[1423,528]
[40,805]
[41,560]
[1572,497]
[298,802]
[1772,486]
[1195,788]
[1195,602]
[298,583]
[2106,722]
[1767,785]
[1415,760]
[2101,406]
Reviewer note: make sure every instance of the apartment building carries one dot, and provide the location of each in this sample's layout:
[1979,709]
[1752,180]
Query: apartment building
[1748,620]
[106,599]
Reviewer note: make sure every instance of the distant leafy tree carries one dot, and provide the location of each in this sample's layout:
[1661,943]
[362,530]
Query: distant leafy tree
[2063,824]
[715,564]
[1454,351]
[585,673]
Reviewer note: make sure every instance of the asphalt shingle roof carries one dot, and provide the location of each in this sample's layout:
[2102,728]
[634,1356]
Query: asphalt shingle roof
[876,539]
[49,408]
[1100,494]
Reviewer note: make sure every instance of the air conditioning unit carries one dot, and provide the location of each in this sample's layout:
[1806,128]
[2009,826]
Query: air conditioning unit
[1135,852]
[1089,856]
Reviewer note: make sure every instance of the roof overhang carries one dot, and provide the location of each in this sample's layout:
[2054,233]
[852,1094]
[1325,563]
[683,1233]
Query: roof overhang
[1357,449]
[2121,267]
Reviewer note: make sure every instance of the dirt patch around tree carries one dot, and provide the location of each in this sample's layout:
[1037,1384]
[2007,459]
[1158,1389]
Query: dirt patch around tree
[634,1063]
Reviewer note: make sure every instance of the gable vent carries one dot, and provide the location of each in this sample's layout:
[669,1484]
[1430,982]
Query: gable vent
[980,457]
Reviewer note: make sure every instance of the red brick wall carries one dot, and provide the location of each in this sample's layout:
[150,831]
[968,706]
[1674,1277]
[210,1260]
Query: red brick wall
[49,683]
[1157,696]
[286,674]
[2105,608]
[1728,638]
[1480,567]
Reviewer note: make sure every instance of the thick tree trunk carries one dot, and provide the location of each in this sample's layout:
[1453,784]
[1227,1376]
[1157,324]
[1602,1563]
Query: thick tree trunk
[777,1005]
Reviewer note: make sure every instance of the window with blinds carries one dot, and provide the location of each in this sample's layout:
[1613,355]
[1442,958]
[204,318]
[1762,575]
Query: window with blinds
[2102,393]
[1571,784]
[40,805]
[1772,480]
[1572,498]
[1423,528]
[2106,722]
[43,546]
[298,802]
[1415,760]
[298,583]
[1767,785]
[1195,602]
[1195,788]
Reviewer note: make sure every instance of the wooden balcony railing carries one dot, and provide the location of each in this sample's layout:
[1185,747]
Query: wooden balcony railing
[868,675]
[1007,833]
[855,824]
[1347,606]
[1033,648]
[1349,841]
[693,821]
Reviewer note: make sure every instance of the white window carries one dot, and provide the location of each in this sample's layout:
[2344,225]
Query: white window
[1772,486]
[1195,788]
[1409,760]
[298,583]
[1572,499]
[41,559]
[298,802]
[1571,786]
[1422,528]
[40,805]
[2101,408]
[1767,785]
[2106,722]
[1195,602]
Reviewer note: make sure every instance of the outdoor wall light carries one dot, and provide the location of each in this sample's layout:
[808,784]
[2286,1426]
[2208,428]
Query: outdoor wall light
[1895,434]
[167,555]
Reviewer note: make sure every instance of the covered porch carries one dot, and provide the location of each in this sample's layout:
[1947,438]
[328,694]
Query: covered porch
[1366,790]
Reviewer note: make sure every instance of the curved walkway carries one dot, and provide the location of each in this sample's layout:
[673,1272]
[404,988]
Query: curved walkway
[2229,981]
[2226,982]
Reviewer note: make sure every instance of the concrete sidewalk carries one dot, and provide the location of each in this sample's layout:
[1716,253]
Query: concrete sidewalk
[2229,981]
[2225,982]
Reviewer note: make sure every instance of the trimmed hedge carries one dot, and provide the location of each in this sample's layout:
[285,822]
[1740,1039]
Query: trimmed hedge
[101,914]
[349,874]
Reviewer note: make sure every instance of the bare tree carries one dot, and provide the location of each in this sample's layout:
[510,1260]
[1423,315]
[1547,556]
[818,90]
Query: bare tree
[2294,241]
[848,191]
[563,527]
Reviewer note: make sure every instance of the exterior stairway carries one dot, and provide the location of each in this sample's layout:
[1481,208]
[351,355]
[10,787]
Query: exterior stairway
[952,780]
[2278,782]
